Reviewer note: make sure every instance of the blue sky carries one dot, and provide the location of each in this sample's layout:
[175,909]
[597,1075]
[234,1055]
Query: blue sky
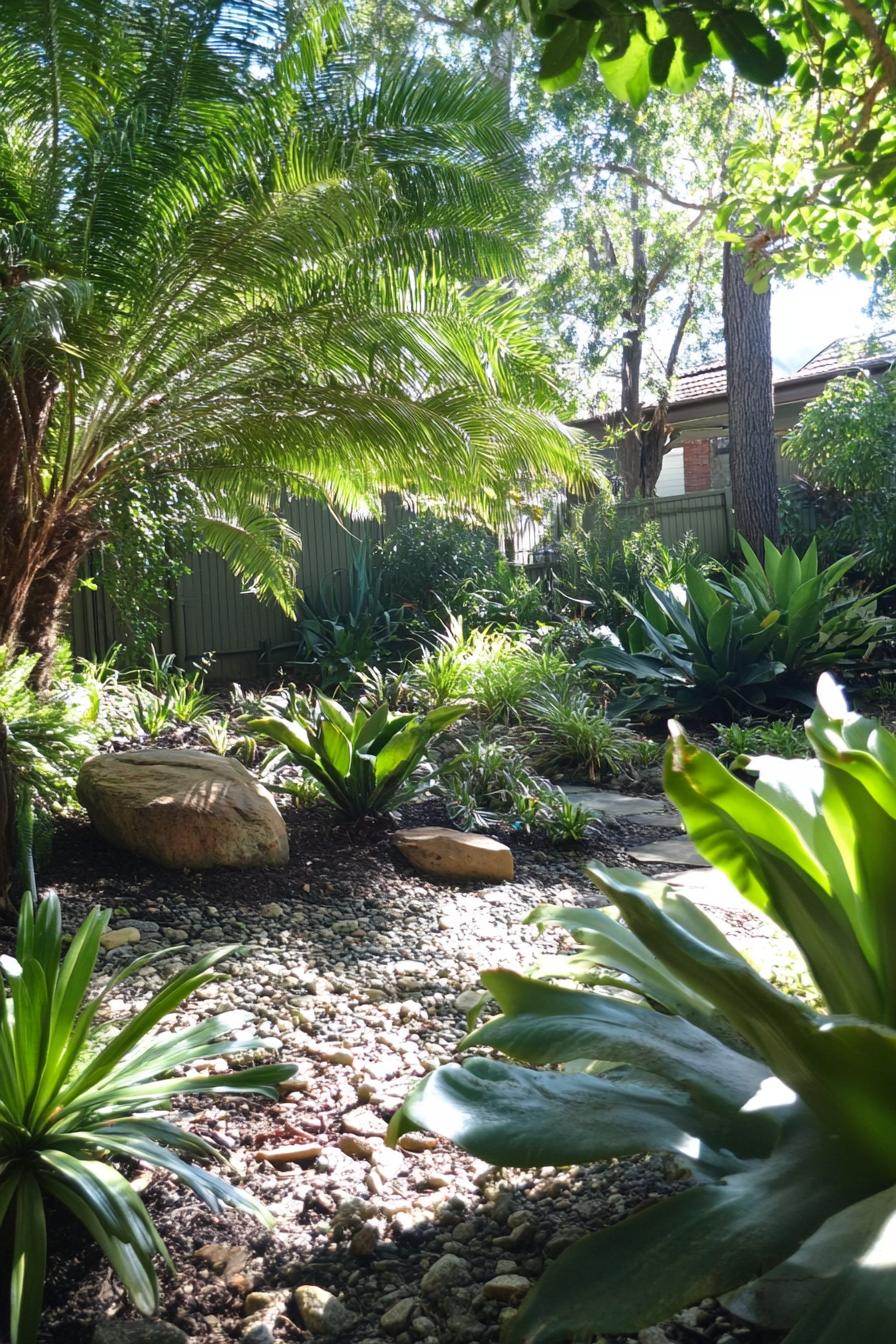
[808,314]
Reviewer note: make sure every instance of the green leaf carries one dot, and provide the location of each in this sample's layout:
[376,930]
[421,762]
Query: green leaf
[754,51]
[697,1244]
[517,1117]
[563,55]
[29,1261]
[544,1024]
[628,76]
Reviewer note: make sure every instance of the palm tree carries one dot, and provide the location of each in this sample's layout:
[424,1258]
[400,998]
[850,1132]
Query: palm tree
[234,257]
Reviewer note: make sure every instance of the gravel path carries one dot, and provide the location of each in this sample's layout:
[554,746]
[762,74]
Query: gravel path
[359,967]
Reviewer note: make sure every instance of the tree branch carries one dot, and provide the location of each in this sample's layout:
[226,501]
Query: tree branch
[883,54]
[625,170]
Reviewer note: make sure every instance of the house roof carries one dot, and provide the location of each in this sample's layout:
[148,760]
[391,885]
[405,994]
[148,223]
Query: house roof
[699,405]
[853,352]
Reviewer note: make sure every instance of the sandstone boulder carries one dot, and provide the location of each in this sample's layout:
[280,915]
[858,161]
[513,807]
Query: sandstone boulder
[183,809]
[441,852]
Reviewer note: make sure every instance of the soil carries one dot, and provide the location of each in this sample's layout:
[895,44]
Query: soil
[353,962]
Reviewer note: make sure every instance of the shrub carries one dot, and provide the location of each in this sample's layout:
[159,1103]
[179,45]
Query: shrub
[46,736]
[364,763]
[341,635]
[565,730]
[426,559]
[783,1113]
[76,1100]
[496,670]
[490,782]
[845,447]
[601,567]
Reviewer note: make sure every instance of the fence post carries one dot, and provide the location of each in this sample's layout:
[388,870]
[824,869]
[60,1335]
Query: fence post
[730,535]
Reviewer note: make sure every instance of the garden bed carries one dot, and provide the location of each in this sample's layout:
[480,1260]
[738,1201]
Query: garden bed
[354,962]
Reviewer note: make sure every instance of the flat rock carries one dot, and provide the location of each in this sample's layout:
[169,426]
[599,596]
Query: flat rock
[448,1272]
[679,850]
[398,1317]
[113,938]
[183,809]
[610,803]
[509,1288]
[442,852]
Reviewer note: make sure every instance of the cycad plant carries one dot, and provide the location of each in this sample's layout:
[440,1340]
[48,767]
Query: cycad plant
[235,261]
[783,1112]
[75,1099]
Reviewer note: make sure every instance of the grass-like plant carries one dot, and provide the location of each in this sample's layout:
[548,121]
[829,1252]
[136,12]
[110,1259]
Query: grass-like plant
[784,1111]
[76,1100]
[778,737]
[566,730]
[365,763]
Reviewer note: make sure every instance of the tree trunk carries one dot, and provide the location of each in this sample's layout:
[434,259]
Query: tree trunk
[43,537]
[751,403]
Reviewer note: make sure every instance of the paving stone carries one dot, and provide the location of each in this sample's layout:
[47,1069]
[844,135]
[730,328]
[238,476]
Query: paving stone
[609,803]
[679,850]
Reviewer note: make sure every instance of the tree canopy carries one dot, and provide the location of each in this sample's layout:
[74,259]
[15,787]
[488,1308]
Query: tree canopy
[236,260]
[817,178]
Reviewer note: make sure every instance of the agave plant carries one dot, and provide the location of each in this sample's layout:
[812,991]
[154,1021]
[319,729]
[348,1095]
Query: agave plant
[693,648]
[75,1100]
[784,1114]
[821,624]
[366,762]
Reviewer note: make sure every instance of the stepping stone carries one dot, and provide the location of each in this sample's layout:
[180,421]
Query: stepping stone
[609,803]
[679,851]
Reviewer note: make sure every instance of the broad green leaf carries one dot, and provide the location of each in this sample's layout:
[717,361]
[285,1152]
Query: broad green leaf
[697,1244]
[544,1024]
[516,1117]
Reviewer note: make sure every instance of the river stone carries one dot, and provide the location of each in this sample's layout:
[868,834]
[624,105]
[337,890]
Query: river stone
[441,852]
[183,809]
[322,1312]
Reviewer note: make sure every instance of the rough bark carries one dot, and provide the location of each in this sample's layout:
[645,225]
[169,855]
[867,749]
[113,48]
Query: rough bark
[751,404]
[42,539]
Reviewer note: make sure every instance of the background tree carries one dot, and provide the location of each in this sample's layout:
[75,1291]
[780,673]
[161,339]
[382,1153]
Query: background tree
[249,284]
[632,273]
[626,272]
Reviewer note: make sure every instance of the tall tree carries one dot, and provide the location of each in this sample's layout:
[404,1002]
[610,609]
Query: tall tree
[627,270]
[244,269]
[632,273]
[751,405]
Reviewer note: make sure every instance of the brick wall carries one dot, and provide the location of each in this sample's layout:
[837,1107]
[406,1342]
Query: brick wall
[697,466]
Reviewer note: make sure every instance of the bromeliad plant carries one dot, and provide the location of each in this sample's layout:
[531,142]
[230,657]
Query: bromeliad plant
[366,762]
[785,1114]
[75,1101]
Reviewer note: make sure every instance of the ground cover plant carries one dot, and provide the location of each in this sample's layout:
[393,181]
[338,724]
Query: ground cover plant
[777,737]
[77,1100]
[783,1112]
